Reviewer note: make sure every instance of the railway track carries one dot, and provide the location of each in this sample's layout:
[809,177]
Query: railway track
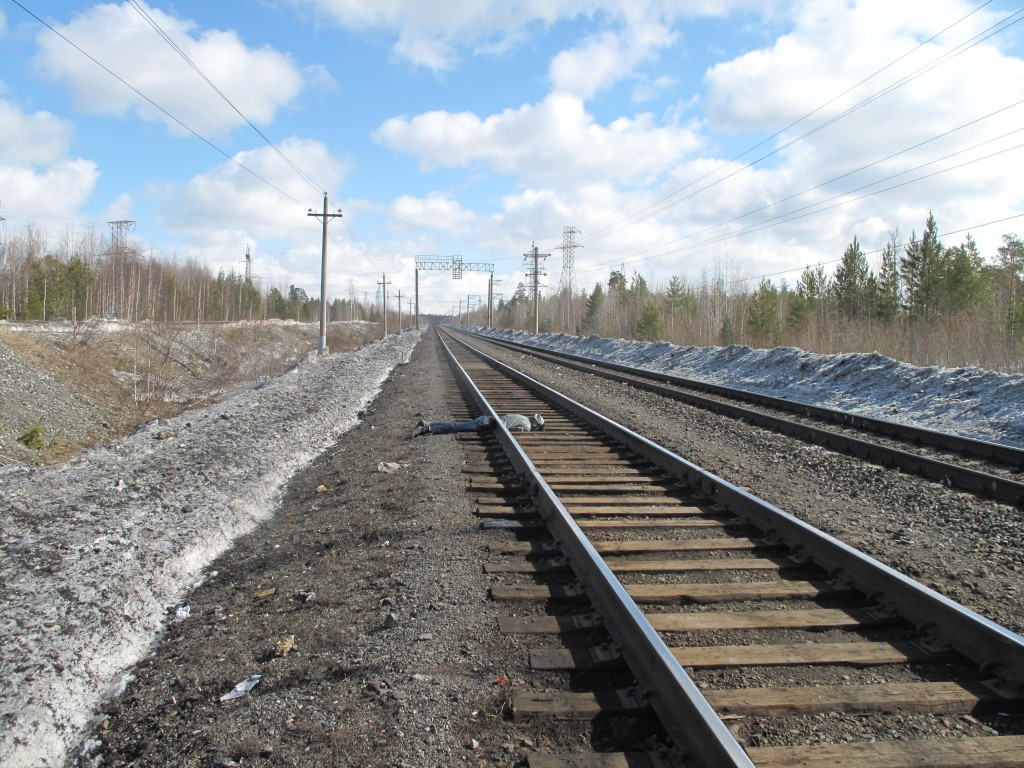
[981,467]
[754,639]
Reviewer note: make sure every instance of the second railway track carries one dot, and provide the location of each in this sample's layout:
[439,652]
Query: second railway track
[800,650]
[977,466]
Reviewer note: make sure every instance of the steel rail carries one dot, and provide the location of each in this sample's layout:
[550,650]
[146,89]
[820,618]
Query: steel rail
[950,475]
[992,647]
[688,718]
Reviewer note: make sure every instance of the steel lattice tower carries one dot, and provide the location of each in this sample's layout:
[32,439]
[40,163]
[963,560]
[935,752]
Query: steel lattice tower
[567,283]
[119,235]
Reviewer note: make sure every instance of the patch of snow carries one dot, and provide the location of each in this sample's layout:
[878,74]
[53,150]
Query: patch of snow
[96,553]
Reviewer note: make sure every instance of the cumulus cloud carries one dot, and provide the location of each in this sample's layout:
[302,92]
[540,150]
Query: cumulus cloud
[258,81]
[435,211]
[34,163]
[33,190]
[556,140]
[229,205]
[832,48]
[604,59]
[431,34]
[37,139]
[231,193]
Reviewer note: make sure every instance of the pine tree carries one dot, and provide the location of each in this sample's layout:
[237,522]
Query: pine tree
[921,271]
[887,296]
[592,311]
[850,282]
[648,324]
[1011,258]
[961,284]
[763,314]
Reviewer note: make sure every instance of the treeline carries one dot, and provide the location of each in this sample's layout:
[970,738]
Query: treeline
[78,277]
[926,304]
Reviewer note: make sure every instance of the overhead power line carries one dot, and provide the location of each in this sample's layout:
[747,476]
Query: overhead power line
[673,199]
[154,104]
[177,49]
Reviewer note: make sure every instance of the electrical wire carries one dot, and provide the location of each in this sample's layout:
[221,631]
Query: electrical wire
[663,203]
[153,103]
[177,49]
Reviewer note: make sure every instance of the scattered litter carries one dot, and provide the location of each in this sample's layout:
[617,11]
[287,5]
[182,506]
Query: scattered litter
[182,613]
[425,636]
[420,678]
[265,593]
[390,620]
[473,744]
[284,645]
[501,680]
[242,688]
[321,489]
[388,467]
[306,597]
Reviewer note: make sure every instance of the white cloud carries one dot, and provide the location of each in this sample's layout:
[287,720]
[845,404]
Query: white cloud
[37,139]
[604,59]
[216,212]
[435,211]
[257,81]
[430,34]
[32,190]
[556,141]
[34,163]
[832,47]
[229,193]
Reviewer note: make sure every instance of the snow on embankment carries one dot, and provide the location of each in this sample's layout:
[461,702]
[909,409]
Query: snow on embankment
[94,551]
[966,401]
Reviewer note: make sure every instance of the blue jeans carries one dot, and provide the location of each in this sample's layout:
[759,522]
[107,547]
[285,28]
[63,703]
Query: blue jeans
[479,424]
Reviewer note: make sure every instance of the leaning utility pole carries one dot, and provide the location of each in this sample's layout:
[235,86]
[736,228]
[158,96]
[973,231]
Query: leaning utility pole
[535,273]
[322,348]
[384,287]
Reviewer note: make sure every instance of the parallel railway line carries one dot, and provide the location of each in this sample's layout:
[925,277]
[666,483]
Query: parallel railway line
[760,640]
[982,467]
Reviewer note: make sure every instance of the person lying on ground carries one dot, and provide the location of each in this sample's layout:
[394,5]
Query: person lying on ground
[514,422]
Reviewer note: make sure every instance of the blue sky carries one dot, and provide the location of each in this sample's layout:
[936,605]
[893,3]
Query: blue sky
[481,128]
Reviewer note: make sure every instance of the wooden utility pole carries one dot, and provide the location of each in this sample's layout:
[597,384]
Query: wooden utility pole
[324,218]
[384,288]
[399,310]
[535,274]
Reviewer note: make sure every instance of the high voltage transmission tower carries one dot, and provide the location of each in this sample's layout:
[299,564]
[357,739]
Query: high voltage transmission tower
[534,272]
[119,235]
[567,283]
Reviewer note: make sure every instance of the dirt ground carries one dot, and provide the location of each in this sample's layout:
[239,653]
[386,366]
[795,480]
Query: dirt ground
[82,385]
[374,579]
